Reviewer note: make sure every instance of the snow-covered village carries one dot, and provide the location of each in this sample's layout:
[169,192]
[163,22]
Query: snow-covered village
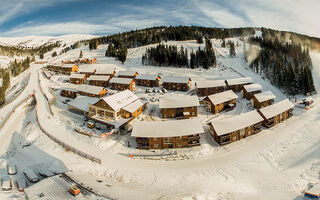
[159,111]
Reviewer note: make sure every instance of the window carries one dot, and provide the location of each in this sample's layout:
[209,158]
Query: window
[243,132]
[156,145]
[167,141]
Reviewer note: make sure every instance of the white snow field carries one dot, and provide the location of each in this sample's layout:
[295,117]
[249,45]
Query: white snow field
[277,163]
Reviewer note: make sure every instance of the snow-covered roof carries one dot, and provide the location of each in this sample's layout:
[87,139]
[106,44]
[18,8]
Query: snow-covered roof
[150,77]
[132,107]
[252,87]
[170,128]
[98,78]
[277,108]
[172,79]
[105,71]
[91,89]
[224,126]
[178,101]
[126,73]
[264,96]
[1,82]
[72,89]
[87,70]
[68,65]
[120,99]
[222,97]
[239,81]
[77,76]
[81,102]
[211,84]
[121,80]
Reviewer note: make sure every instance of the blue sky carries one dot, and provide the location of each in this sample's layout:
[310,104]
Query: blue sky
[59,17]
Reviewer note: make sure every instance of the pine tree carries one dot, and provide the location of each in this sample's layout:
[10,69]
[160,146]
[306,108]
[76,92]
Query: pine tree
[41,56]
[54,54]
[232,50]
[81,55]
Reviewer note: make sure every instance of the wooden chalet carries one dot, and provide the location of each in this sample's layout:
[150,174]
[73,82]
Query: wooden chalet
[124,104]
[122,83]
[221,101]
[127,74]
[236,84]
[176,83]
[262,99]
[167,134]
[78,79]
[232,129]
[68,68]
[249,90]
[82,61]
[95,80]
[207,88]
[69,91]
[91,91]
[87,71]
[148,80]
[179,106]
[276,113]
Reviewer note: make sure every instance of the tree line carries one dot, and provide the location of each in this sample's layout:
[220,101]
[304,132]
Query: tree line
[286,65]
[164,55]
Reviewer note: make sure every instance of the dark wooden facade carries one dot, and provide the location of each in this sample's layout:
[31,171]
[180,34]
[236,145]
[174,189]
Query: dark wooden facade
[168,142]
[133,76]
[99,82]
[228,105]
[68,93]
[148,83]
[176,86]
[276,119]
[235,135]
[202,92]
[123,86]
[258,105]
[249,95]
[185,112]
[78,81]
[102,93]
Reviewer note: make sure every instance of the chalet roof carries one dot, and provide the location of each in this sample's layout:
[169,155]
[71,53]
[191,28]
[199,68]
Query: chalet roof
[178,101]
[132,107]
[222,97]
[87,70]
[126,73]
[150,77]
[277,108]
[91,89]
[224,126]
[126,81]
[67,65]
[264,96]
[211,84]
[171,128]
[78,76]
[252,87]
[66,88]
[98,78]
[172,79]
[120,99]
[100,68]
[81,102]
[239,81]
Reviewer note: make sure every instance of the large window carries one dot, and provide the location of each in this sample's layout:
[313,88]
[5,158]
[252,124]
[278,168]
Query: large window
[167,141]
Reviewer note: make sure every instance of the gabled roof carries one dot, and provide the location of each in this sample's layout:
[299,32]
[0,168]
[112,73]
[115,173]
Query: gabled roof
[78,76]
[126,73]
[68,65]
[98,78]
[171,128]
[224,126]
[101,68]
[121,80]
[222,97]
[239,81]
[277,108]
[252,87]
[90,89]
[264,96]
[178,101]
[87,70]
[81,102]
[120,99]
[132,107]
[172,79]
[150,77]
[211,84]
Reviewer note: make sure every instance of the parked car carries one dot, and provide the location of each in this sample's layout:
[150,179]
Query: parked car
[31,176]
[6,184]
[12,169]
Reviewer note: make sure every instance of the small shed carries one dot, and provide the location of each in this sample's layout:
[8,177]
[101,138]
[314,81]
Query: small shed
[235,128]
[167,134]
[221,101]
[276,113]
